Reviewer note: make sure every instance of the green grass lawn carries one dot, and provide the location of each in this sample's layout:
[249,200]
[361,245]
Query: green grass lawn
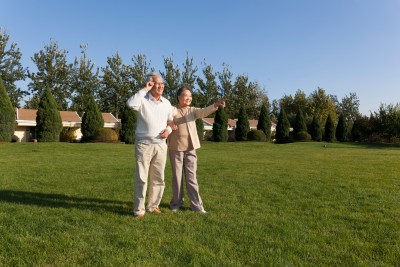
[299,204]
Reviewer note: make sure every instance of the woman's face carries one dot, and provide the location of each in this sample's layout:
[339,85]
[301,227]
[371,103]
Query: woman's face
[185,99]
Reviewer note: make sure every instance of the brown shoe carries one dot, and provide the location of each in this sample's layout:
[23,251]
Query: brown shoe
[156,211]
[139,216]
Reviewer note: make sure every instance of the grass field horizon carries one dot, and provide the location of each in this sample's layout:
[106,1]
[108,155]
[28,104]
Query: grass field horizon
[299,204]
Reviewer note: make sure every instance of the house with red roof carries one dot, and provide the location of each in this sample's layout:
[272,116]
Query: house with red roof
[26,123]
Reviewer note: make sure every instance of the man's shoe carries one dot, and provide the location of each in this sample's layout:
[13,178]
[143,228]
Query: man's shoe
[202,211]
[156,211]
[139,216]
[174,210]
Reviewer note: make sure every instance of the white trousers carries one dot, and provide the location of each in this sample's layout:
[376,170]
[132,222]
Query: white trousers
[150,163]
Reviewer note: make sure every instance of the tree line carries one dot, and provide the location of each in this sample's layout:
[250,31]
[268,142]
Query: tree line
[74,84]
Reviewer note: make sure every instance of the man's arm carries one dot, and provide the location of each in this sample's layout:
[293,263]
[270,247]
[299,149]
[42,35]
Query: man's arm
[135,101]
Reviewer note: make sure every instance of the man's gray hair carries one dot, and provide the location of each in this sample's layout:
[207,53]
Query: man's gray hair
[149,77]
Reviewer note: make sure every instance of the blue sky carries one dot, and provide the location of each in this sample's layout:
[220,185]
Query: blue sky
[342,46]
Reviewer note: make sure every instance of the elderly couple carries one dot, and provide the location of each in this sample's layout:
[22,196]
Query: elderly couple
[157,120]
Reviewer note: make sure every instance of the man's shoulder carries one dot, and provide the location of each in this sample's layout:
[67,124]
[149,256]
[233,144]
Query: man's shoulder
[165,101]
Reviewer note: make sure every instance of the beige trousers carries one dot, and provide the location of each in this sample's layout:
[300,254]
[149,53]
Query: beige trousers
[150,162]
[184,162]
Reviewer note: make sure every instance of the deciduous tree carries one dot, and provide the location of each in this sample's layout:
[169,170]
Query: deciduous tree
[11,69]
[117,86]
[208,88]
[172,80]
[53,72]
[84,82]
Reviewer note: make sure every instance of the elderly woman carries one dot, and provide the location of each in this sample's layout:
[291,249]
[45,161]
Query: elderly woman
[182,144]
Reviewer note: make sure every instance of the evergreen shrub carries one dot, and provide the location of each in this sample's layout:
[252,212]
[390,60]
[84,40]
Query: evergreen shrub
[92,120]
[220,126]
[256,135]
[68,135]
[106,135]
[127,133]
[302,136]
[48,119]
[14,139]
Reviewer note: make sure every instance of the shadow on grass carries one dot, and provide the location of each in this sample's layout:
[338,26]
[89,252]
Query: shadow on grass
[63,201]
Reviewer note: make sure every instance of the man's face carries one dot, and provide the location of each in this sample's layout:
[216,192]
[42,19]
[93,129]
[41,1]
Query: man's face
[158,87]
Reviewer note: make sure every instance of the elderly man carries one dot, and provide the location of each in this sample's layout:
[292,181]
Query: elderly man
[150,147]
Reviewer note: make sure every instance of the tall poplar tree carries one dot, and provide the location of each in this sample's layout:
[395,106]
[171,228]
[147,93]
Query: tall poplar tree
[116,86]
[226,89]
[54,73]
[139,71]
[208,88]
[7,115]
[11,69]
[84,81]
[189,74]
[172,80]
[48,119]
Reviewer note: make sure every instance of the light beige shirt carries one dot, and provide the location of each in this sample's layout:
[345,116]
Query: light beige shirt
[185,138]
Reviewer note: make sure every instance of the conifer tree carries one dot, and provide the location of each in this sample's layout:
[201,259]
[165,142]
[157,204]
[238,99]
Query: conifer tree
[341,129]
[128,126]
[264,121]
[7,115]
[242,126]
[329,129]
[200,128]
[220,126]
[92,120]
[48,119]
[282,127]
[316,130]
[300,127]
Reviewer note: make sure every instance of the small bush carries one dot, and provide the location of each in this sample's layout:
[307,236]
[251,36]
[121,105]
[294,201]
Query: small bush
[302,136]
[256,135]
[106,135]
[208,136]
[14,139]
[67,135]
